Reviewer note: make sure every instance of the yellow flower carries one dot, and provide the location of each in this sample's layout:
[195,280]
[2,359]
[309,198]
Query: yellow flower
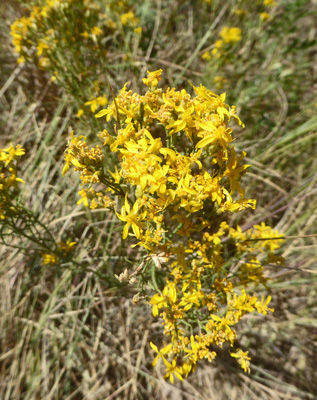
[273,238]
[157,302]
[168,297]
[84,198]
[21,60]
[49,259]
[163,352]
[184,120]
[193,351]
[66,247]
[96,31]
[189,299]
[230,35]
[243,303]
[206,56]
[85,34]
[269,3]
[44,62]
[153,78]
[261,306]
[95,103]
[264,16]
[80,113]
[11,153]
[216,50]
[171,369]
[129,19]
[41,47]
[243,359]
[132,218]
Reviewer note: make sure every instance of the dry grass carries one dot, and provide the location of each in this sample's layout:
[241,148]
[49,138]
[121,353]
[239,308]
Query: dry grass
[69,334]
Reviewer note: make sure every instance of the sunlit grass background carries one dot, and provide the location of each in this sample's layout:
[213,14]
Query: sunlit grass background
[70,334]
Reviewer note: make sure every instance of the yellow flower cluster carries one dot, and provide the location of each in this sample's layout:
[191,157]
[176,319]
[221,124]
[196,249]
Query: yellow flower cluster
[8,177]
[90,164]
[65,37]
[176,174]
[163,140]
[269,3]
[43,29]
[265,15]
[63,249]
[212,310]
[229,36]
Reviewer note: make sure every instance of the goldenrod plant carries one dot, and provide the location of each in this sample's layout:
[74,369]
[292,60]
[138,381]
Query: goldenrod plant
[19,221]
[72,40]
[177,173]
[9,179]
[164,267]
[249,18]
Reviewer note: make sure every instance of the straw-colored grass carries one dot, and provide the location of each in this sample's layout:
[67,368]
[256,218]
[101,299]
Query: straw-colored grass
[71,334]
